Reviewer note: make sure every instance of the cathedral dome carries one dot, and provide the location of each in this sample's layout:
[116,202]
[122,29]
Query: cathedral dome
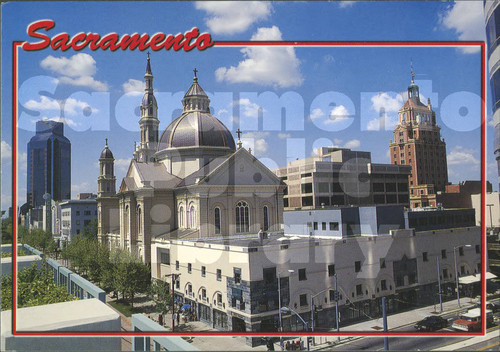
[196,127]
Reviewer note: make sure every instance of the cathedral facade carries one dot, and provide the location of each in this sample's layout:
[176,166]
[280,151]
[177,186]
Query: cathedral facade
[193,181]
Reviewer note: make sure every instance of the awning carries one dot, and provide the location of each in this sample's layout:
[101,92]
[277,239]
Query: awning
[470,279]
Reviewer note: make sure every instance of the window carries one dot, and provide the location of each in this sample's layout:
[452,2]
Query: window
[445,273]
[189,289]
[461,251]
[203,293]
[219,298]
[177,284]
[87,213]
[176,265]
[217,221]
[302,274]
[383,285]
[359,290]
[78,212]
[86,222]
[382,263]
[357,266]
[331,270]
[315,225]
[242,217]
[462,270]
[266,219]
[78,222]
[237,275]
[443,253]
[269,275]
[165,257]
[303,300]
[334,226]
[192,217]
[323,226]
[478,249]
[181,216]
[203,271]
[219,275]
[425,257]
[189,268]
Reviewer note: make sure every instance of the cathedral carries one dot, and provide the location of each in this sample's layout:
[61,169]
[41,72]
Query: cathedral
[192,181]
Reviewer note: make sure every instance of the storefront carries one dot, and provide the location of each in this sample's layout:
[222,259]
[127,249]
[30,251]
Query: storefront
[219,320]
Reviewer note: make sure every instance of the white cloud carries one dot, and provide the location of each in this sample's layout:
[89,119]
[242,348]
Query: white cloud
[6,150]
[384,101]
[256,141]
[382,123]
[85,81]
[66,121]
[328,58]
[267,66]
[83,187]
[134,86]
[466,18]
[316,113]
[338,114]
[344,4]
[284,135]
[461,156]
[78,70]
[44,104]
[230,17]
[22,161]
[352,144]
[248,108]
[6,201]
[122,164]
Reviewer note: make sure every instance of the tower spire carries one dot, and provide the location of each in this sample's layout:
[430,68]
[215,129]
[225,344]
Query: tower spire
[240,144]
[411,69]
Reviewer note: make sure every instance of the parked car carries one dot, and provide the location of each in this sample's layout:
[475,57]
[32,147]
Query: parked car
[431,323]
[471,321]
[494,307]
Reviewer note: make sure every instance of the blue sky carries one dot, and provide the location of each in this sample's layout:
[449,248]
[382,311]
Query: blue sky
[332,96]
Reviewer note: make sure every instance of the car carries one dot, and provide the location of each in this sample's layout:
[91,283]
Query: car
[494,307]
[431,323]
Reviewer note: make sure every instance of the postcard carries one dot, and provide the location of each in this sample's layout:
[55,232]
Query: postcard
[249,175]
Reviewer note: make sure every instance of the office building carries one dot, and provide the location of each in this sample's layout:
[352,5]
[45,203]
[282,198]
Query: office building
[49,164]
[339,176]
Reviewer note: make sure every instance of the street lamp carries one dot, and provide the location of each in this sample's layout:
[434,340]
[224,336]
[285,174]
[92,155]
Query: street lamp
[279,305]
[456,268]
[174,279]
[287,310]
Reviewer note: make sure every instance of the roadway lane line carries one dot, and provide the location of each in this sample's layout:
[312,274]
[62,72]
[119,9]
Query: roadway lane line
[495,344]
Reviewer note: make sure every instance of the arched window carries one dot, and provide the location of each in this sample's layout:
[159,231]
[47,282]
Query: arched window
[192,217]
[139,222]
[242,217]
[125,221]
[181,216]
[217,220]
[266,219]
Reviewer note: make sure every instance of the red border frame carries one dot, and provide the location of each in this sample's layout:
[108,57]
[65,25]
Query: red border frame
[482,45]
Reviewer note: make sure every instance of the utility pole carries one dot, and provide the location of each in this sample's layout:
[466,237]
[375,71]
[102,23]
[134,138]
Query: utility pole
[439,286]
[337,306]
[384,314]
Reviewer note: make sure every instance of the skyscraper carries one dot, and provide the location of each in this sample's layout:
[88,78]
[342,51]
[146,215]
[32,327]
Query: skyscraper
[49,164]
[417,142]
[492,17]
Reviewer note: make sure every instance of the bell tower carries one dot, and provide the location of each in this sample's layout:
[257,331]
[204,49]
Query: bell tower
[149,120]
[106,182]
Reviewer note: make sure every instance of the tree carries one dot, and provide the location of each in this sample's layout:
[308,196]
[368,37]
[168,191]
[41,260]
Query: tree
[160,293]
[35,287]
[7,230]
[90,230]
[131,275]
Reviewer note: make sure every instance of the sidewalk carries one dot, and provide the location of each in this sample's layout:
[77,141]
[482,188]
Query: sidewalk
[394,321]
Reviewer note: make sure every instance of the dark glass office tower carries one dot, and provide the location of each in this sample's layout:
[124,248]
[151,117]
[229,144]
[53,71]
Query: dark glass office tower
[49,164]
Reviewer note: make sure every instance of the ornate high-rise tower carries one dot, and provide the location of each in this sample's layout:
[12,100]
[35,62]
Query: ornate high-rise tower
[417,142]
[149,120]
